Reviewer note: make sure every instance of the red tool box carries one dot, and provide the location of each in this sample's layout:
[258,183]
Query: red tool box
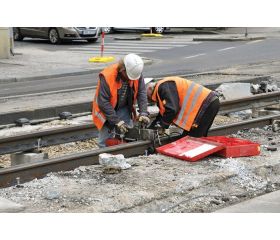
[113,141]
[235,147]
[190,149]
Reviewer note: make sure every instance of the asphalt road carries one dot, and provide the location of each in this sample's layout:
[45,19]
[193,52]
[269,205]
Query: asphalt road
[178,55]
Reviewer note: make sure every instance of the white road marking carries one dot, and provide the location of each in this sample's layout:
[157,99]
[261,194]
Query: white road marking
[138,47]
[225,49]
[106,53]
[123,47]
[145,44]
[256,41]
[95,54]
[197,55]
[159,42]
[111,50]
[133,47]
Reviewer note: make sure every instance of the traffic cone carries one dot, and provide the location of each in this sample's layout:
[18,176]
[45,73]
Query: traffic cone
[101,58]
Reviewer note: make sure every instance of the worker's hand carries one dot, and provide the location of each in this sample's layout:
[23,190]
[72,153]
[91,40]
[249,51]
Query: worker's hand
[144,120]
[122,127]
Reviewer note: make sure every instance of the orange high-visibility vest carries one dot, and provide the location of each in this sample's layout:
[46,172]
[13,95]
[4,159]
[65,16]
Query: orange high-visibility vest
[110,74]
[191,96]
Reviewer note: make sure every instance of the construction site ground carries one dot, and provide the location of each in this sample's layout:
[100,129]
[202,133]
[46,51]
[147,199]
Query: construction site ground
[157,183]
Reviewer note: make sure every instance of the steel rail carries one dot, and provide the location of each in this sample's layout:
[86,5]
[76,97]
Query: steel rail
[85,106]
[22,173]
[235,127]
[254,102]
[26,172]
[24,142]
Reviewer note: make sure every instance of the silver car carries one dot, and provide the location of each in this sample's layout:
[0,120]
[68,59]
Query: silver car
[57,34]
[115,29]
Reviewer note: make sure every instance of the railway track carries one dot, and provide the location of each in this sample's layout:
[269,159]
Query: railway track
[16,175]
[85,131]
[81,108]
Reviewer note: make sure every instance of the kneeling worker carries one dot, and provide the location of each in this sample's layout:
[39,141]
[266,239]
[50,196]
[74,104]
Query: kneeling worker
[184,103]
[119,86]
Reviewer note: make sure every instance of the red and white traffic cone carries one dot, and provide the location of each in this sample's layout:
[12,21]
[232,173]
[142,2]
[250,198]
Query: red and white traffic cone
[101,58]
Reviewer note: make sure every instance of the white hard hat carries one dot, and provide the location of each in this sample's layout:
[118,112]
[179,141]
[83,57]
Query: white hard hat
[134,66]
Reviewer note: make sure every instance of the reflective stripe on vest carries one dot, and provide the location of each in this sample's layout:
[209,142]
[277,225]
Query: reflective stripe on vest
[197,94]
[100,117]
[186,99]
[184,105]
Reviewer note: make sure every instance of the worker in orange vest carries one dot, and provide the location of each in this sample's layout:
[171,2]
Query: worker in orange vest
[118,88]
[184,103]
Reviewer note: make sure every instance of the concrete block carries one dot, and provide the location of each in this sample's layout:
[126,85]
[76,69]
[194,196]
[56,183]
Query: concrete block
[245,114]
[7,206]
[234,90]
[22,158]
[113,161]
[4,43]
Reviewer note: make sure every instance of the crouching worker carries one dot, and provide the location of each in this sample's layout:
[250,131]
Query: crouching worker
[184,103]
[118,88]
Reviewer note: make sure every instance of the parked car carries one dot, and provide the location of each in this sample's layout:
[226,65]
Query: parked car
[57,34]
[115,29]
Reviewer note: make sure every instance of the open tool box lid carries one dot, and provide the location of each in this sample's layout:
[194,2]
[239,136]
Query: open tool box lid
[190,149]
[235,147]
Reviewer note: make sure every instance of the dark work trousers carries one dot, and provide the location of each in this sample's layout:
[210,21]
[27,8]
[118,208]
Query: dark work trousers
[205,121]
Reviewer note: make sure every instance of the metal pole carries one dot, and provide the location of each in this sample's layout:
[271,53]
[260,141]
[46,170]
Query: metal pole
[12,41]
[246,32]
[102,43]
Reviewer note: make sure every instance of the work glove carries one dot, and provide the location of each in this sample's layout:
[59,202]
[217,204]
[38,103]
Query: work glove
[144,120]
[122,127]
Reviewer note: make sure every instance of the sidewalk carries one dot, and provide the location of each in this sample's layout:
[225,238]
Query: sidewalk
[238,34]
[231,38]
[32,61]
[268,203]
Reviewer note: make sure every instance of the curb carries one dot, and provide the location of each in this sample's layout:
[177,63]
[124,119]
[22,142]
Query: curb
[140,38]
[232,39]
[154,37]
[147,61]
[195,32]
[42,77]
[128,38]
